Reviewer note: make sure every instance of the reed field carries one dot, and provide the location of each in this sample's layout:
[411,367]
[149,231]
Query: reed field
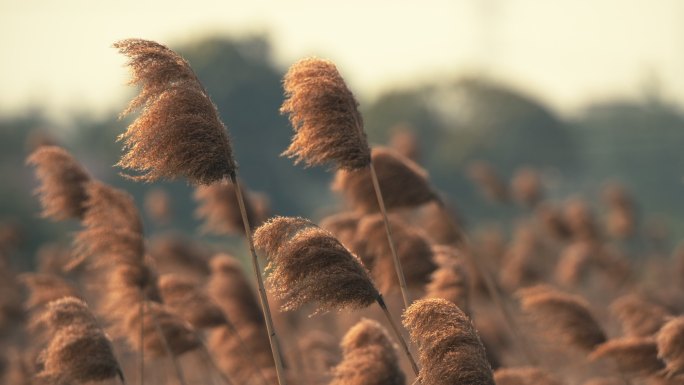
[389,284]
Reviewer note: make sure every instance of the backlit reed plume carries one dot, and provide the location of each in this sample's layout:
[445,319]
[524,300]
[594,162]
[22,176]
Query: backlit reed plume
[670,340]
[411,245]
[405,141]
[218,207]
[308,265]
[62,182]
[637,356]
[186,300]
[158,206]
[639,317]
[526,375]
[403,182]
[343,226]
[450,281]
[368,357]
[324,115]
[178,132]
[44,288]
[526,186]
[563,316]
[78,350]
[450,349]
[175,253]
[488,181]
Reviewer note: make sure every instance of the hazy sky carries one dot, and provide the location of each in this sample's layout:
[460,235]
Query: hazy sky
[56,53]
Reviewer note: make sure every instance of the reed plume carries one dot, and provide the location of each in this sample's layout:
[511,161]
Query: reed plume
[343,226]
[440,223]
[450,281]
[553,222]
[636,356]
[670,342]
[488,181]
[178,132]
[324,115]
[524,376]
[450,349]
[174,253]
[219,209]
[78,351]
[62,183]
[563,316]
[158,206]
[404,183]
[229,288]
[580,220]
[307,264]
[369,357]
[412,248]
[526,187]
[639,317]
[189,302]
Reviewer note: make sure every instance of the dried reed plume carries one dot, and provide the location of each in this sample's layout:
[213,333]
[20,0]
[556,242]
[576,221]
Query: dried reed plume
[403,182]
[523,264]
[670,340]
[321,352]
[562,316]
[62,183]
[412,247]
[45,288]
[369,357]
[324,115]
[526,187]
[488,181]
[307,264]
[637,356]
[526,375]
[450,349]
[78,351]
[229,288]
[639,317]
[178,132]
[450,281]
[189,302]
[158,206]
[218,207]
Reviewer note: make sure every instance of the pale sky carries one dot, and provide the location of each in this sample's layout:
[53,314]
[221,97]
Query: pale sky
[57,53]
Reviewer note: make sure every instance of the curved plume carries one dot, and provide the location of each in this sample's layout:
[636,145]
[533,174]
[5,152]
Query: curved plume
[403,183]
[307,264]
[639,317]
[324,115]
[636,356]
[369,357]
[563,316]
[450,349]
[178,132]
[189,302]
[62,182]
[670,340]
[524,376]
[450,281]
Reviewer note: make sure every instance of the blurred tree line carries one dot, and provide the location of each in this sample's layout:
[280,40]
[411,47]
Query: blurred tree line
[456,122]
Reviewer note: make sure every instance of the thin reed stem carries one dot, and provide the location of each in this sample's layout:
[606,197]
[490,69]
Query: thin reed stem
[390,240]
[176,365]
[272,338]
[397,333]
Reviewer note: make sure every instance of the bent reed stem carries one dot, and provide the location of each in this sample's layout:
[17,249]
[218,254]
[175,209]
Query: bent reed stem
[397,333]
[272,339]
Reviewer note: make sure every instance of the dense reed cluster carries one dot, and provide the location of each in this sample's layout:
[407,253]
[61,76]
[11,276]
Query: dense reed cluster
[553,297]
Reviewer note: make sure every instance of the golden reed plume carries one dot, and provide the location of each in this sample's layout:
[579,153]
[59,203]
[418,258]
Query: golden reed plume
[670,340]
[403,182]
[639,317]
[369,357]
[526,375]
[62,182]
[178,132]
[563,316]
[450,281]
[451,352]
[324,114]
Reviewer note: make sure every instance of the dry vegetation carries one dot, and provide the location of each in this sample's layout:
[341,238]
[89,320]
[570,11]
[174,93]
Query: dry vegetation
[557,304]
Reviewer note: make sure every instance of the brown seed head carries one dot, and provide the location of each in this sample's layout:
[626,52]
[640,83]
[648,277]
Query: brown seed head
[524,376]
[639,317]
[450,349]
[636,356]
[670,340]
[450,281]
[229,288]
[183,298]
[562,316]
[307,264]
[238,354]
[369,357]
[178,132]
[403,183]
[62,183]
[325,117]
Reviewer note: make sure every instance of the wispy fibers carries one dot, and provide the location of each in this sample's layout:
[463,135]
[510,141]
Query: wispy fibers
[450,281]
[219,209]
[368,357]
[308,265]
[639,317]
[329,130]
[179,134]
[562,316]
[635,356]
[451,352]
[78,350]
[526,375]
[62,182]
[670,340]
